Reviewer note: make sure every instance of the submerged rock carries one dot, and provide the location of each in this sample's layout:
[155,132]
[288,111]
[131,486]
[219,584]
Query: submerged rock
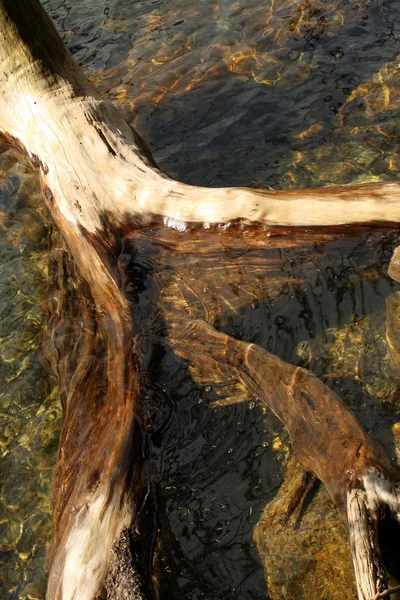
[364,350]
[306,554]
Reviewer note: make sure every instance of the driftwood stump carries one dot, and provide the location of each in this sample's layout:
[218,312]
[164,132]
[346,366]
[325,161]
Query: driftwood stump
[100,185]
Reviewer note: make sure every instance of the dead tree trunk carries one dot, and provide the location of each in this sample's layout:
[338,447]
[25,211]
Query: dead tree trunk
[95,172]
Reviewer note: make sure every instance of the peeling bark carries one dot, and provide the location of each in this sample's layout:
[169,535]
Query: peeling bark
[96,173]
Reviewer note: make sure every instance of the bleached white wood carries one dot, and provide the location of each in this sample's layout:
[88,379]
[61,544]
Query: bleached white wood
[93,162]
[361,550]
[363,507]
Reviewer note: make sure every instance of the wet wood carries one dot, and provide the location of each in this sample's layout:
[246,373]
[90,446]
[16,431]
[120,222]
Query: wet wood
[101,186]
[97,488]
[325,436]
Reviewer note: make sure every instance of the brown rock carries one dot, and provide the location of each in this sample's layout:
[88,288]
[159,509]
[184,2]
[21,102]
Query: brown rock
[306,555]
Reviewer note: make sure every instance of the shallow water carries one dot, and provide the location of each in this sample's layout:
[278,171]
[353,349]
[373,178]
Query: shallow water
[284,95]
[220,462]
[29,411]
[237,93]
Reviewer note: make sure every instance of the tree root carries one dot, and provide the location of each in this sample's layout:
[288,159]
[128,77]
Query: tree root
[326,438]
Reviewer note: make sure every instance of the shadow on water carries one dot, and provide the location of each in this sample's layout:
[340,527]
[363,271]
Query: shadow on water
[216,467]
[389,533]
[210,489]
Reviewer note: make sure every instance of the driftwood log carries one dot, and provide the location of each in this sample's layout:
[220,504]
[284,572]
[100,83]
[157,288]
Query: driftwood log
[99,182]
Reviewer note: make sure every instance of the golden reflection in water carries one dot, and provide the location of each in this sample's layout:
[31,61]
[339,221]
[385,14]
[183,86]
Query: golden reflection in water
[250,41]
[30,412]
[306,49]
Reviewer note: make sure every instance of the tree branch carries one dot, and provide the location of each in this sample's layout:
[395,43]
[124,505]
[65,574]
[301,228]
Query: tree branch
[92,165]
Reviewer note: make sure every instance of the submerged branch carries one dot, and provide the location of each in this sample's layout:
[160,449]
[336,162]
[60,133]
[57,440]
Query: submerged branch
[325,436]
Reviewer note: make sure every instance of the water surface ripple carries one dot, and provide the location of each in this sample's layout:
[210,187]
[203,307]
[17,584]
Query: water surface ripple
[281,94]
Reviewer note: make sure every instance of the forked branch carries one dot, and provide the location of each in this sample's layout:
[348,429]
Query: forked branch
[93,164]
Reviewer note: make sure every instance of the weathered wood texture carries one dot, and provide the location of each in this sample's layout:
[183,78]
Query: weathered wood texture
[97,176]
[95,162]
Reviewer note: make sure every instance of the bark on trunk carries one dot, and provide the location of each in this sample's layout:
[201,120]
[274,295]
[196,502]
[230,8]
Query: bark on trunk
[97,175]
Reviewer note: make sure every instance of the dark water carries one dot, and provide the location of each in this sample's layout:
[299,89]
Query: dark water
[220,465]
[281,95]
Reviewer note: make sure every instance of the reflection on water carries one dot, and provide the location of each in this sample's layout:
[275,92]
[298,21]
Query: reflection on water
[283,94]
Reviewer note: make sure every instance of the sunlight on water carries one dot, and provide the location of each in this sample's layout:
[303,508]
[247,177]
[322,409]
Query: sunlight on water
[29,411]
[282,94]
[286,94]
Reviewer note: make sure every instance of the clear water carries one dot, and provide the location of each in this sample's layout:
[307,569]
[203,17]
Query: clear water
[284,94]
[29,411]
